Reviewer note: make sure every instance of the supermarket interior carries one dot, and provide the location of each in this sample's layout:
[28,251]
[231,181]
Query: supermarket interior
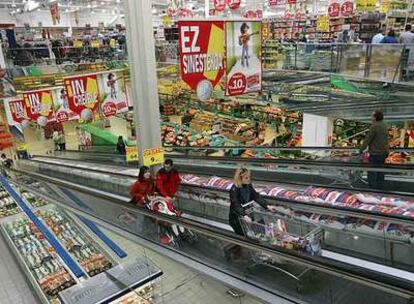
[207,151]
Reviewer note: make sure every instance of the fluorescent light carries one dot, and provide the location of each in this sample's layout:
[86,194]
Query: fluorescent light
[104,11]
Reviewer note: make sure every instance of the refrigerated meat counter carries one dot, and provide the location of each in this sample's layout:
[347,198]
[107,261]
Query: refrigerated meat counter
[61,256]
[374,226]
[112,209]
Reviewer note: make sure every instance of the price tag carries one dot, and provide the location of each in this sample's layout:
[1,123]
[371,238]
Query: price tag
[153,156]
[112,43]
[233,4]
[21,147]
[322,23]
[333,9]
[384,7]
[272,2]
[360,5]
[219,5]
[95,44]
[131,154]
[77,44]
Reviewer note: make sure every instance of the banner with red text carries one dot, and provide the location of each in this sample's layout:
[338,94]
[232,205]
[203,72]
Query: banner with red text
[113,93]
[201,47]
[39,106]
[83,95]
[15,111]
[61,106]
[243,54]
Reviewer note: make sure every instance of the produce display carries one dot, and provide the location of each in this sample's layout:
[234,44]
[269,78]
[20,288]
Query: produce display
[323,196]
[84,250]
[7,205]
[39,256]
[36,202]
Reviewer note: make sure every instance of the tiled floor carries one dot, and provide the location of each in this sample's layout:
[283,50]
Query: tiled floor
[180,284]
[14,288]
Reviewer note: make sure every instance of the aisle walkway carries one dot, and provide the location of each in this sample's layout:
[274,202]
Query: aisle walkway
[14,287]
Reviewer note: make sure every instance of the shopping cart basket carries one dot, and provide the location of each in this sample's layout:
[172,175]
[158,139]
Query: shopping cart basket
[271,230]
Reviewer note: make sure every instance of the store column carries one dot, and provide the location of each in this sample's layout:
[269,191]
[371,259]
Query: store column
[142,65]
[317,131]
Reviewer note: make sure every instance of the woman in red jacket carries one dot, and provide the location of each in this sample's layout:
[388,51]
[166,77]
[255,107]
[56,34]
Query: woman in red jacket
[168,180]
[144,188]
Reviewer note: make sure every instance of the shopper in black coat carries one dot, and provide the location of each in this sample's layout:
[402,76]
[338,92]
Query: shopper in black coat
[242,196]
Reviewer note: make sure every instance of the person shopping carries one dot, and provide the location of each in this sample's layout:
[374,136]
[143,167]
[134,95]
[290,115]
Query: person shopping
[143,190]
[168,180]
[242,196]
[378,147]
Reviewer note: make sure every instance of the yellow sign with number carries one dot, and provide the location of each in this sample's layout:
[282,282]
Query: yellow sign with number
[95,44]
[77,44]
[21,147]
[131,154]
[384,7]
[322,24]
[360,5]
[154,156]
[370,5]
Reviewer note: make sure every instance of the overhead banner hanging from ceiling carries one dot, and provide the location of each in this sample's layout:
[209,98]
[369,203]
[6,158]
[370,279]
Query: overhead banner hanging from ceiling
[243,55]
[83,96]
[61,106]
[16,111]
[54,12]
[39,106]
[201,47]
[114,97]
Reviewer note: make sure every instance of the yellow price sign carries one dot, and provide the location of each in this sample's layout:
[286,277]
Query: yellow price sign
[153,156]
[95,44]
[384,7]
[112,43]
[370,5]
[166,21]
[322,23]
[131,154]
[360,5]
[21,147]
[77,44]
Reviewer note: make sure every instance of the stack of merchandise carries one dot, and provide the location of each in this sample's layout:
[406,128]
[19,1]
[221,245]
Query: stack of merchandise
[39,256]
[7,205]
[36,202]
[82,248]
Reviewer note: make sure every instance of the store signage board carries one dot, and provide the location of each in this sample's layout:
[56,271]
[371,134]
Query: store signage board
[347,9]
[113,92]
[273,2]
[15,111]
[61,106]
[131,154]
[153,156]
[39,106]
[334,9]
[201,47]
[233,4]
[243,57]
[384,7]
[219,5]
[83,95]
[108,286]
[322,24]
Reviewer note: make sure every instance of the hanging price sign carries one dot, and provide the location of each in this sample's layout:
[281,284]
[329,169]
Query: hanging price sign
[234,4]
[360,5]
[272,2]
[220,5]
[152,157]
[370,5]
[347,8]
[322,23]
[291,1]
[384,7]
[334,9]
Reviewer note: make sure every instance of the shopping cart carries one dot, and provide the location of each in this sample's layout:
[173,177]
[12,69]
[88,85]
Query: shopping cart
[270,229]
[172,234]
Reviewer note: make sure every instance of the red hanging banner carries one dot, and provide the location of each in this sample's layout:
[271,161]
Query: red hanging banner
[16,111]
[201,46]
[347,8]
[220,5]
[39,106]
[234,4]
[272,2]
[334,9]
[83,95]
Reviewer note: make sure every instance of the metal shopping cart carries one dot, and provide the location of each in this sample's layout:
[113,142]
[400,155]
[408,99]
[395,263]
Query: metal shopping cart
[270,229]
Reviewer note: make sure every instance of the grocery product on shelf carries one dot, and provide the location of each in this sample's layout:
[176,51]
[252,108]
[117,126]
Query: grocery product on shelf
[39,256]
[7,205]
[83,249]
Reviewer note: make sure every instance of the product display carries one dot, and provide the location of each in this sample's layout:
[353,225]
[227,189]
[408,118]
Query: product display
[39,256]
[84,250]
[7,205]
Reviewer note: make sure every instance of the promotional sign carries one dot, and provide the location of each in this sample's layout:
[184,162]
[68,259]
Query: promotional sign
[322,24]
[83,95]
[370,5]
[113,91]
[249,14]
[54,12]
[132,154]
[360,5]
[272,2]
[152,157]
[16,111]
[201,47]
[243,54]
[347,8]
[219,5]
[39,106]
[384,7]
[61,106]
[334,9]
[234,4]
